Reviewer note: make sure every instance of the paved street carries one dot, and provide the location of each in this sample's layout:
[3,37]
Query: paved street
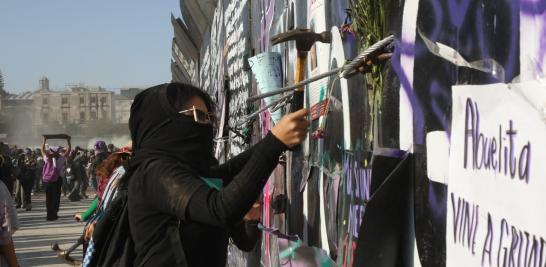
[34,238]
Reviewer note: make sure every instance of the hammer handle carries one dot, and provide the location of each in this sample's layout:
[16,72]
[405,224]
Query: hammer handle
[297,100]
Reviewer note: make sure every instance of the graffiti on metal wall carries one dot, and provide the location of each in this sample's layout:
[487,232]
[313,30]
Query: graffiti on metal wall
[354,192]
[329,200]
[189,65]
[236,50]
[212,74]
[212,59]
[474,31]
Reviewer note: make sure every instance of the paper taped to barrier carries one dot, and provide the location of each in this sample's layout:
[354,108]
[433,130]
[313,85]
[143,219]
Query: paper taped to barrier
[497,176]
[267,69]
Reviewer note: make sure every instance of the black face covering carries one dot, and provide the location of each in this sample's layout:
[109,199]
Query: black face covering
[158,131]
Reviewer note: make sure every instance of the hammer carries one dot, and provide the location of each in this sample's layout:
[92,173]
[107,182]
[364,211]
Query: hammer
[305,39]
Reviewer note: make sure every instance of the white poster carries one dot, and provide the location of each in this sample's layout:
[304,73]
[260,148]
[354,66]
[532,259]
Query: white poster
[496,202]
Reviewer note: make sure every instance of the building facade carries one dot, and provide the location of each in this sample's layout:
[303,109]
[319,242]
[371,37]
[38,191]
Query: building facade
[122,105]
[78,105]
[81,111]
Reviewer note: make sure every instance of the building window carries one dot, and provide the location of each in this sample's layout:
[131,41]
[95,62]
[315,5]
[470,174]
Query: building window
[45,100]
[82,100]
[93,115]
[64,100]
[93,99]
[82,116]
[103,113]
[65,117]
[45,116]
[103,100]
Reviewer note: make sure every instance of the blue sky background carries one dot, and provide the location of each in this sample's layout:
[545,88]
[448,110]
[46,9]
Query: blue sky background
[113,44]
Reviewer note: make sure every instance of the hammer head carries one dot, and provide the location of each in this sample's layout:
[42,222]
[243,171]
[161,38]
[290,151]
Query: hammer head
[304,38]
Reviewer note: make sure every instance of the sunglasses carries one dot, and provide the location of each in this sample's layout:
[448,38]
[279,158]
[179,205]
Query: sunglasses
[199,116]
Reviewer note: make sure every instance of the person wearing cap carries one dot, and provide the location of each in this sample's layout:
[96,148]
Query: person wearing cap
[101,153]
[54,160]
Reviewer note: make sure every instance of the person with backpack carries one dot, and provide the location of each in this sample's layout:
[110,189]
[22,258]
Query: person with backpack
[175,218]
[54,160]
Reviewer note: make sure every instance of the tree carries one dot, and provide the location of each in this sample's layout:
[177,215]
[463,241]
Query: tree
[2,91]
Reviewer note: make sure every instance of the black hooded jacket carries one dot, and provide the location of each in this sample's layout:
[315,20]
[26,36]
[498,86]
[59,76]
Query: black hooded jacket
[175,218]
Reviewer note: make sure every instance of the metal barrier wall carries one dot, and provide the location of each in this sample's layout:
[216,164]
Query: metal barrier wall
[375,148]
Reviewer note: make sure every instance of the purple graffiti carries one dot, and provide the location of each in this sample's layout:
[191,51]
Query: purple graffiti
[357,189]
[406,49]
[530,7]
[536,10]
[418,116]
[480,33]
[458,11]
[268,10]
[437,201]
[514,41]
[361,177]
[438,14]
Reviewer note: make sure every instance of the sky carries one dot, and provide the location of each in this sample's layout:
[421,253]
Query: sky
[113,44]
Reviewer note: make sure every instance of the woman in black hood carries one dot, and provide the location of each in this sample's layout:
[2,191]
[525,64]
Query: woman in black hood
[175,218]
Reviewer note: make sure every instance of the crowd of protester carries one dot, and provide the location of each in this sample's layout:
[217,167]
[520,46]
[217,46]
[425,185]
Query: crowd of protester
[53,170]
[162,199]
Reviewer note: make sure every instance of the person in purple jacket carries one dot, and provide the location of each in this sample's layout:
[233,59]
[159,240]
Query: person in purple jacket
[54,160]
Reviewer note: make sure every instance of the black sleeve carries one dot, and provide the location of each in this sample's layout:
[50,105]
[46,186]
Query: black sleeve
[229,169]
[228,206]
[245,235]
[172,189]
